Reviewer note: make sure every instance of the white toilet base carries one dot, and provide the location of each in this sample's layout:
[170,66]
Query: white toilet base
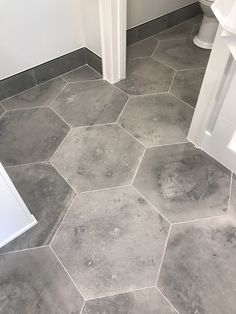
[207,33]
[202,44]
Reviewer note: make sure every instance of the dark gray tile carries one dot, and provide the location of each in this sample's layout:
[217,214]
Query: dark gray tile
[146,76]
[17,83]
[84,73]
[232,206]
[98,157]
[30,135]
[35,282]
[47,196]
[181,54]
[198,273]
[111,241]
[89,103]
[182,30]
[157,119]
[38,96]
[187,85]
[148,301]
[144,48]
[93,60]
[2,110]
[183,182]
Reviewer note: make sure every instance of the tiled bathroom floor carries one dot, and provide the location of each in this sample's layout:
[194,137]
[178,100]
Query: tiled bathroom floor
[132,219]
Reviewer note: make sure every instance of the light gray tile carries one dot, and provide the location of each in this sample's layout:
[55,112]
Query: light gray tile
[47,196]
[84,73]
[187,85]
[144,48]
[148,301]
[146,76]
[38,96]
[89,103]
[2,110]
[181,54]
[156,120]
[30,135]
[111,241]
[182,30]
[33,282]
[183,182]
[98,157]
[198,273]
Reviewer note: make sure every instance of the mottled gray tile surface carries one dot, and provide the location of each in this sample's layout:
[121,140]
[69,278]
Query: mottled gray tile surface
[30,135]
[38,96]
[232,206]
[47,196]
[33,282]
[2,110]
[181,54]
[198,273]
[187,85]
[148,301]
[88,103]
[182,30]
[113,242]
[98,157]
[143,48]
[84,73]
[183,182]
[156,120]
[146,76]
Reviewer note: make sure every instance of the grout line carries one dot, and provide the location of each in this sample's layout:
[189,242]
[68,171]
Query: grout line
[139,164]
[62,142]
[123,109]
[140,41]
[81,311]
[182,101]
[28,164]
[24,250]
[87,81]
[154,51]
[130,135]
[60,117]
[64,79]
[198,219]
[106,189]
[27,108]
[172,82]
[159,290]
[170,144]
[93,125]
[119,89]
[169,67]
[191,69]
[4,111]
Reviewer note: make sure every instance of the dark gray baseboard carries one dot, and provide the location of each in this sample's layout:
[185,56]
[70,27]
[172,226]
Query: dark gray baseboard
[163,22]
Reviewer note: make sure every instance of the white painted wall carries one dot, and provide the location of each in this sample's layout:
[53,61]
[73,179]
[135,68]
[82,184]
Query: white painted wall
[141,11]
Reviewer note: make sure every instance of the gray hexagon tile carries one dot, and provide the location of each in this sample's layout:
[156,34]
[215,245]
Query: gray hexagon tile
[84,73]
[184,183]
[111,241]
[28,285]
[98,157]
[89,103]
[181,54]
[187,85]
[2,110]
[143,48]
[148,301]
[38,96]
[157,119]
[30,135]
[198,272]
[146,76]
[182,30]
[47,196]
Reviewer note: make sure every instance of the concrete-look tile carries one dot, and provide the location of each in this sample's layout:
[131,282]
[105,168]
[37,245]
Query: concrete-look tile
[84,73]
[156,120]
[232,205]
[146,76]
[38,96]
[98,157]
[47,196]
[30,135]
[2,110]
[89,103]
[187,85]
[182,30]
[148,301]
[184,183]
[34,281]
[198,272]
[181,54]
[111,241]
[144,48]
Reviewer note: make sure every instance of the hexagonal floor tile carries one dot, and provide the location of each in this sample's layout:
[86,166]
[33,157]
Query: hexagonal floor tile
[34,281]
[38,96]
[89,103]
[187,85]
[198,272]
[157,119]
[181,54]
[30,135]
[1,110]
[48,197]
[143,48]
[139,302]
[182,30]
[98,157]
[146,76]
[111,241]
[184,183]
[84,73]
